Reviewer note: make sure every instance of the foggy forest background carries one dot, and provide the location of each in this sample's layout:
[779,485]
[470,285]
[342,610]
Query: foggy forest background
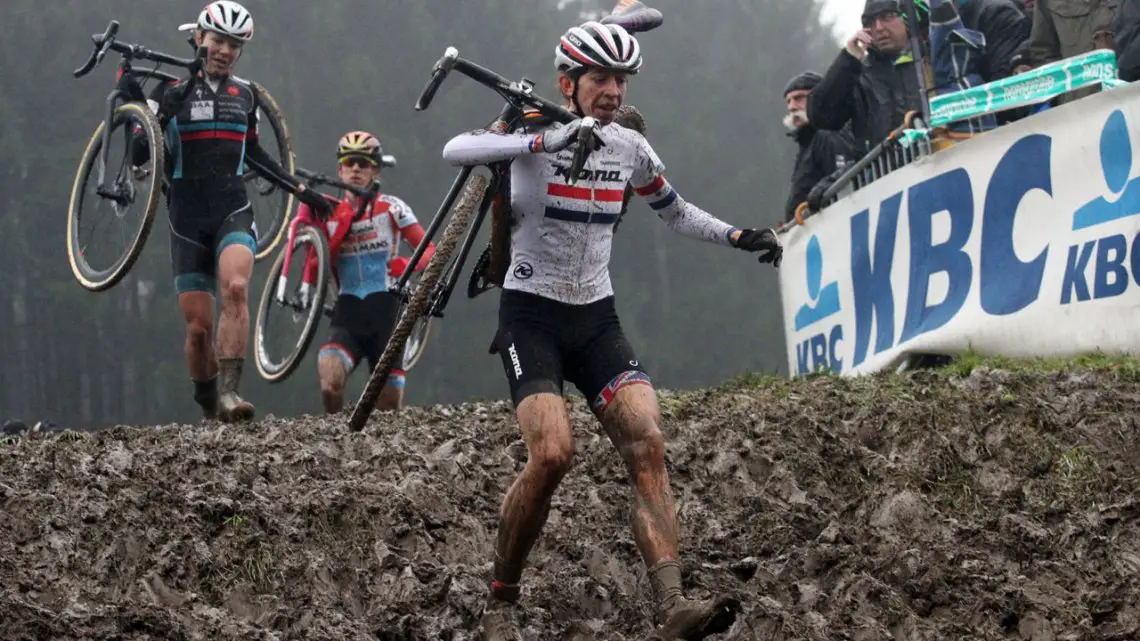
[697,314]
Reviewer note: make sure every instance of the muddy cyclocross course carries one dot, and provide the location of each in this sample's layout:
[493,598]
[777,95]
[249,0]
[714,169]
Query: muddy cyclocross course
[994,504]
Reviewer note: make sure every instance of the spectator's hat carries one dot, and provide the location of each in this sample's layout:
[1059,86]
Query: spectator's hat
[875,7]
[805,80]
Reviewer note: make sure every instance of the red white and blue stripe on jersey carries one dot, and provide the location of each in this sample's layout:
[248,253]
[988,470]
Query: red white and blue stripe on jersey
[583,204]
[659,193]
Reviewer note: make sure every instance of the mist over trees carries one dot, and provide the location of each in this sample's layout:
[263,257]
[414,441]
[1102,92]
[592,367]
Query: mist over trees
[696,314]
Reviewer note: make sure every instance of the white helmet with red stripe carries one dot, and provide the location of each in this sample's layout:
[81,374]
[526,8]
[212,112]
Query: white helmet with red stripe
[228,18]
[593,44]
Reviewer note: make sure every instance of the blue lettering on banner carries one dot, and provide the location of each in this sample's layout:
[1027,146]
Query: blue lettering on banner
[1110,276]
[949,192]
[871,277]
[818,352]
[1007,284]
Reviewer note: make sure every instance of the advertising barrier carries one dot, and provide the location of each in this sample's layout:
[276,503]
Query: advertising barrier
[1024,241]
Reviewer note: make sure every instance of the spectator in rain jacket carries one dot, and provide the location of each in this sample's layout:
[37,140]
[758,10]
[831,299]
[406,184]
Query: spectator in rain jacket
[819,151]
[957,57]
[873,82]
[1126,27]
[1006,29]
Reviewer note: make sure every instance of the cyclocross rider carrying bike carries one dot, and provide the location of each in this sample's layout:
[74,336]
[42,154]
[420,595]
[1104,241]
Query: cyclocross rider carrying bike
[363,256]
[557,320]
[209,137]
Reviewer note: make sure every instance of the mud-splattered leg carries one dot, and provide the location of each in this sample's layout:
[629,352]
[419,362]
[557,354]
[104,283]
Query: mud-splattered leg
[234,267]
[545,426]
[632,421]
[333,373]
[198,312]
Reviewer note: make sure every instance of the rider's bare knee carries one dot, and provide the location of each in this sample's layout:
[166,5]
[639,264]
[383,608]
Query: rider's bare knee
[198,332]
[332,387]
[235,289]
[551,441]
[332,395]
[332,380]
[646,446]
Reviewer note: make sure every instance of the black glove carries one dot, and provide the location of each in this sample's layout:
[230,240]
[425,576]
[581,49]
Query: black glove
[316,201]
[754,240]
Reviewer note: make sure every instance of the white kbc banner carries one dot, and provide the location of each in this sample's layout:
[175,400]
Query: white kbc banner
[1021,242]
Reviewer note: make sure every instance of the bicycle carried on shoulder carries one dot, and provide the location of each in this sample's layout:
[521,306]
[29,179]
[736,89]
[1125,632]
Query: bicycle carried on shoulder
[279,306]
[127,116]
[472,197]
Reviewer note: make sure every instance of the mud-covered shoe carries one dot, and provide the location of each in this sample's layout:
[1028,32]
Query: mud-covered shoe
[695,620]
[501,621]
[231,407]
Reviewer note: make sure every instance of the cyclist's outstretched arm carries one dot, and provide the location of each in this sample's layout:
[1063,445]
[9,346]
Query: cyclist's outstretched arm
[481,147]
[683,217]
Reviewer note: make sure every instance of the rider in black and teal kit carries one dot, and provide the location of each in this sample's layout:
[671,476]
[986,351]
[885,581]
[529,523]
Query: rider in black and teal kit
[210,135]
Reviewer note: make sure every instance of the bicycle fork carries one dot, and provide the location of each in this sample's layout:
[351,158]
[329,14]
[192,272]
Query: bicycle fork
[283,279]
[108,124]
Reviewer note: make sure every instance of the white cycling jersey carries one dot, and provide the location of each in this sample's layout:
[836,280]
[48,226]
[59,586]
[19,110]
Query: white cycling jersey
[560,242]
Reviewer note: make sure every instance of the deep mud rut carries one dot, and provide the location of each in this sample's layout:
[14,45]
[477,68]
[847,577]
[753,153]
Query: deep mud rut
[995,506]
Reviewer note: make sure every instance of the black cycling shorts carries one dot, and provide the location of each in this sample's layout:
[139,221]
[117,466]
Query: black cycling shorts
[543,342]
[361,329]
[206,216]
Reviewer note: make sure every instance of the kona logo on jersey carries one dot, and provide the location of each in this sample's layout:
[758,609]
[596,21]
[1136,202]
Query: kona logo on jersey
[614,176]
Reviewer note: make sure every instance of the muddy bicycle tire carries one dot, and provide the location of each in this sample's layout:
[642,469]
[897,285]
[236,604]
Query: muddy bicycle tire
[418,305]
[92,279]
[269,239]
[276,371]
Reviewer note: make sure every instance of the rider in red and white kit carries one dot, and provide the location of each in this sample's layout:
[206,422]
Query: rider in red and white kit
[363,252]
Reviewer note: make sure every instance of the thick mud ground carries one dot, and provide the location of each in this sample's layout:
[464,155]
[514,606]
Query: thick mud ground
[994,505]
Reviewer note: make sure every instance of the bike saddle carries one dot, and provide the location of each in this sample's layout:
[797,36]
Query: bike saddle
[634,16]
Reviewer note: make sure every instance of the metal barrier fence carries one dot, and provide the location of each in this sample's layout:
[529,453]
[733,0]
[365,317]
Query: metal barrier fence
[902,147]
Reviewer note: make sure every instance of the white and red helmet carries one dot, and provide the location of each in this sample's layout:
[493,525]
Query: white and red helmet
[225,17]
[593,44]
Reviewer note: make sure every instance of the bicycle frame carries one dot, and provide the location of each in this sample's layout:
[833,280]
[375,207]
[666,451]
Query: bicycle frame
[518,96]
[106,42]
